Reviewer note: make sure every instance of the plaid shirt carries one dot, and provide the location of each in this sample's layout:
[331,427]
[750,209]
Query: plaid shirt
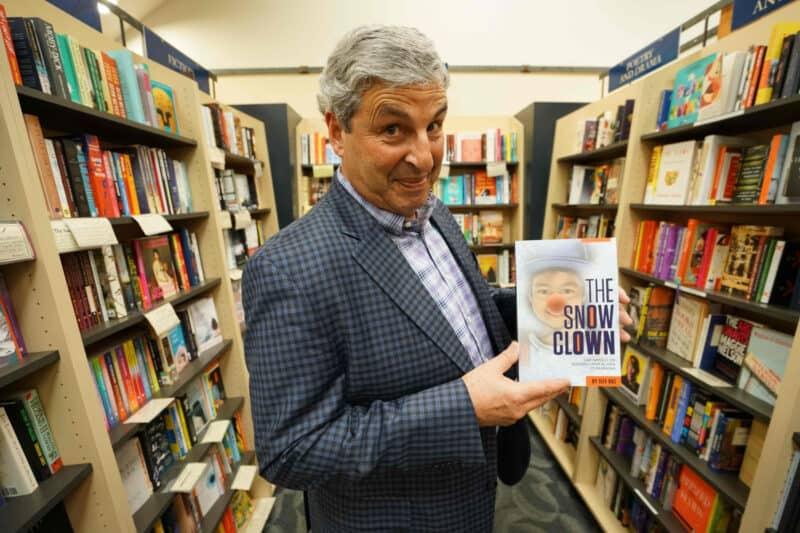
[430,258]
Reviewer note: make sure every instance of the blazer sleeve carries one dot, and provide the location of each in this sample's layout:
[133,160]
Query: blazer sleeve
[305,431]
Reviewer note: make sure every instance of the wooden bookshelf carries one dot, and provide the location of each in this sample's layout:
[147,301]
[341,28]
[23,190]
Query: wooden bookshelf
[58,365]
[563,452]
[612,151]
[760,501]
[570,410]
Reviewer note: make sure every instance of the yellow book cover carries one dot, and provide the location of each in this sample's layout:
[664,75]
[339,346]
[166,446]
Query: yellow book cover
[135,371]
[147,355]
[674,397]
[656,379]
[184,429]
[772,55]
[652,174]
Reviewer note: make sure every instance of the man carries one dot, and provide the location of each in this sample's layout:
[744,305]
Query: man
[375,350]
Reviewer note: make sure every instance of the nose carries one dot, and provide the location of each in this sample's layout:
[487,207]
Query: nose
[419,152]
[556,303]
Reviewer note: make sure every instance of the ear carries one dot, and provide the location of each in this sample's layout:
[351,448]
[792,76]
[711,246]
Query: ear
[335,133]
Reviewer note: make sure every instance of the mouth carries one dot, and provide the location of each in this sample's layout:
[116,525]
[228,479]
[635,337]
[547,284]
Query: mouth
[414,183]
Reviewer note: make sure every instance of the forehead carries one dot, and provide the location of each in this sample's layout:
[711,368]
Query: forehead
[555,276]
[413,100]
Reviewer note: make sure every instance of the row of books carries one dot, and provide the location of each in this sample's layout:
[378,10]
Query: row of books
[737,351]
[114,280]
[224,130]
[476,188]
[498,268]
[316,149]
[240,244]
[109,81]
[477,147]
[727,82]
[666,479]
[128,374]
[596,185]
[144,461]
[12,344]
[751,262]
[178,517]
[726,170]
[483,227]
[315,189]
[28,452]
[592,227]
[564,429]
[608,128]
[235,190]
[80,179]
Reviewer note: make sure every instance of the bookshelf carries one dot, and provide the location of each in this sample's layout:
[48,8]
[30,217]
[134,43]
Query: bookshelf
[57,365]
[758,502]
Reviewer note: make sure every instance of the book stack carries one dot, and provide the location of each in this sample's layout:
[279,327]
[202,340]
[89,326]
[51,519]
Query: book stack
[755,263]
[591,227]
[234,190]
[316,149]
[729,82]
[563,427]
[665,479]
[479,147]
[112,82]
[723,170]
[498,268]
[224,130]
[80,179]
[606,129]
[596,184]
[114,280]
[28,452]
[476,188]
[234,520]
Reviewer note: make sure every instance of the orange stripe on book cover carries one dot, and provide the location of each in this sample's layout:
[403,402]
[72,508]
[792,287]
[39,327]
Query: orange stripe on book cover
[603,381]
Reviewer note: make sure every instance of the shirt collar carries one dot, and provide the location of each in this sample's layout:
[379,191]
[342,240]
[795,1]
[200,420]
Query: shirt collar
[391,222]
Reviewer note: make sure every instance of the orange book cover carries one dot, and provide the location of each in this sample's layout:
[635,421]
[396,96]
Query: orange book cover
[5,33]
[758,68]
[179,256]
[110,73]
[672,407]
[697,505]
[649,238]
[656,379]
[774,148]
[46,177]
[130,185]
[135,371]
[686,249]
[471,150]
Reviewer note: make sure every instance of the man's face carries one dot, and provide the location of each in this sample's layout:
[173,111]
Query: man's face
[551,291]
[393,152]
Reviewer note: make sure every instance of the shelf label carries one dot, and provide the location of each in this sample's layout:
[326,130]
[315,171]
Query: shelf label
[225,220]
[496,168]
[241,219]
[216,431]
[644,501]
[258,169]
[65,242]
[217,157]
[645,60]
[707,378]
[444,171]
[719,117]
[746,11]
[150,410]
[188,478]
[244,477]
[152,224]
[322,171]
[91,232]
[236,274]
[14,243]
[162,319]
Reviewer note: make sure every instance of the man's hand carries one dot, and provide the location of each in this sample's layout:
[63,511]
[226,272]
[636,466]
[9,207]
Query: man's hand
[624,318]
[499,401]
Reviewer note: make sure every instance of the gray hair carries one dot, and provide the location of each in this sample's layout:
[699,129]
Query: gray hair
[395,55]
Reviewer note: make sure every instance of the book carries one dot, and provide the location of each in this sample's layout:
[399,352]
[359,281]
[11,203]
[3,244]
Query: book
[635,375]
[765,363]
[789,186]
[205,324]
[746,246]
[35,410]
[674,174]
[133,470]
[8,43]
[16,475]
[685,328]
[156,267]
[568,311]
[697,506]
[656,314]
[733,343]
[490,227]
[696,85]
[165,106]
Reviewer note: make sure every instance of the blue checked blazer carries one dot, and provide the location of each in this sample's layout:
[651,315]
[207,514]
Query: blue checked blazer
[355,378]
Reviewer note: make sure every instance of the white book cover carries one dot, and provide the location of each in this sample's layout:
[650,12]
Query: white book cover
[209,488]
[133,470]
[708,168]
[724,75]
[674,173]
[205,322]
[568,311]
[789,187]
[16,476]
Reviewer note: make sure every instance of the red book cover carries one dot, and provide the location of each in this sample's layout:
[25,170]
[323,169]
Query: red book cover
[695,501]
[104,197]
[705,262]
[5,32]
[177,250]
[114,88]
[758,65]
[115,207]
[127,380]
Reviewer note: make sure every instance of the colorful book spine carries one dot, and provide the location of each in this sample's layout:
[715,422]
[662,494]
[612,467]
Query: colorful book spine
[69,68]
[35,410]
[125,379]
[8,43]
[111,415]
[109,372]
[135,371]
[142,370]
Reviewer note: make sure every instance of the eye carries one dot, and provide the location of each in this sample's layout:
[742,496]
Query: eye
[434,127]
[392,129]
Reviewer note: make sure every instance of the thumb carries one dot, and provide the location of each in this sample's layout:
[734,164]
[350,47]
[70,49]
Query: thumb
[506,359]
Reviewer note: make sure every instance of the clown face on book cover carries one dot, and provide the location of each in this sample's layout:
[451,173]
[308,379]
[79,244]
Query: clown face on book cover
[568,311]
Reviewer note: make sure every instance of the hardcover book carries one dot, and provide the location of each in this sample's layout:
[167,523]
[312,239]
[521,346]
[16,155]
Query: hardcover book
[674,174]
[568,311]
[635,375]
[696,85]
[205,323]
[165,106]
[733,343]
[765,363]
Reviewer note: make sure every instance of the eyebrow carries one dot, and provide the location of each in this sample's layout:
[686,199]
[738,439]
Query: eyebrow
[392,111]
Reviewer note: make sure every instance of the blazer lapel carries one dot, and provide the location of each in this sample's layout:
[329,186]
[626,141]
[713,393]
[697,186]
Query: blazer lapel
[385,264]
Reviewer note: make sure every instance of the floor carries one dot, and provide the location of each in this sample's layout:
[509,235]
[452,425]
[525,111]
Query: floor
[544,501]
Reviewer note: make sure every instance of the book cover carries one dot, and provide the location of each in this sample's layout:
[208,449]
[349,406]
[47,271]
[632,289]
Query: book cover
[165,106]
[157,268]
[205,323]
[789,187]
[568,311]
[8,43]
[747,244]
[696,502]
[733,343]
[688,316]
[488,266]
[133,470]
[696,84]
[657,313]
[16,475]
[490,227]
[765,363]
[674,173]
[35,410]
[635,375]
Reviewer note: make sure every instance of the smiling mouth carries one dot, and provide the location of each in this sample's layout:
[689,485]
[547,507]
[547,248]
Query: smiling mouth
[413,183]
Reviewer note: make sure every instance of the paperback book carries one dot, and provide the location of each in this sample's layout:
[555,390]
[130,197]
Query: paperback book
[568,311]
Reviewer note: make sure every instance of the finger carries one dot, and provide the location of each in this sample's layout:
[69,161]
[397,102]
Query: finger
[624,299]
[543,388]
[536,402]
[506,359]
[624,318]
[624,336]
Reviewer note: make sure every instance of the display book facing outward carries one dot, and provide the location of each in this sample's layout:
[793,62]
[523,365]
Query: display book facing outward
[178,156]
[701,425]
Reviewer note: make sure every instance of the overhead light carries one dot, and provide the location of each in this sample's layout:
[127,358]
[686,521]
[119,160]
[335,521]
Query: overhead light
[104,9]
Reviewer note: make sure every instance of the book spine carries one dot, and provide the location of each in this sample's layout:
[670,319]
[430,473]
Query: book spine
[769,282]
[46,178]
[680,412]
[35,410]
[52,59]
[69,68]
[8,42]
[139,255]
[24,53]
[133,272]
[135,371]
[123,373]
[130,183]
[96,286]
[23,428]
[143,348]
[759,66]
[94,78]
[110,374]
[187,257]
[18,478]
[81,72]
[105,399]
[38,57]
[143,371]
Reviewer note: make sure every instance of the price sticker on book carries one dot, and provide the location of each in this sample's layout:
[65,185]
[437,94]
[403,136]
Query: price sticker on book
[323,171]
[14,243]
[150,410]
[92,232]
[244,477]
[496,168]
[217,157]
[225,220]
[152,224]
[216,431]
[162,319]
[241,219]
